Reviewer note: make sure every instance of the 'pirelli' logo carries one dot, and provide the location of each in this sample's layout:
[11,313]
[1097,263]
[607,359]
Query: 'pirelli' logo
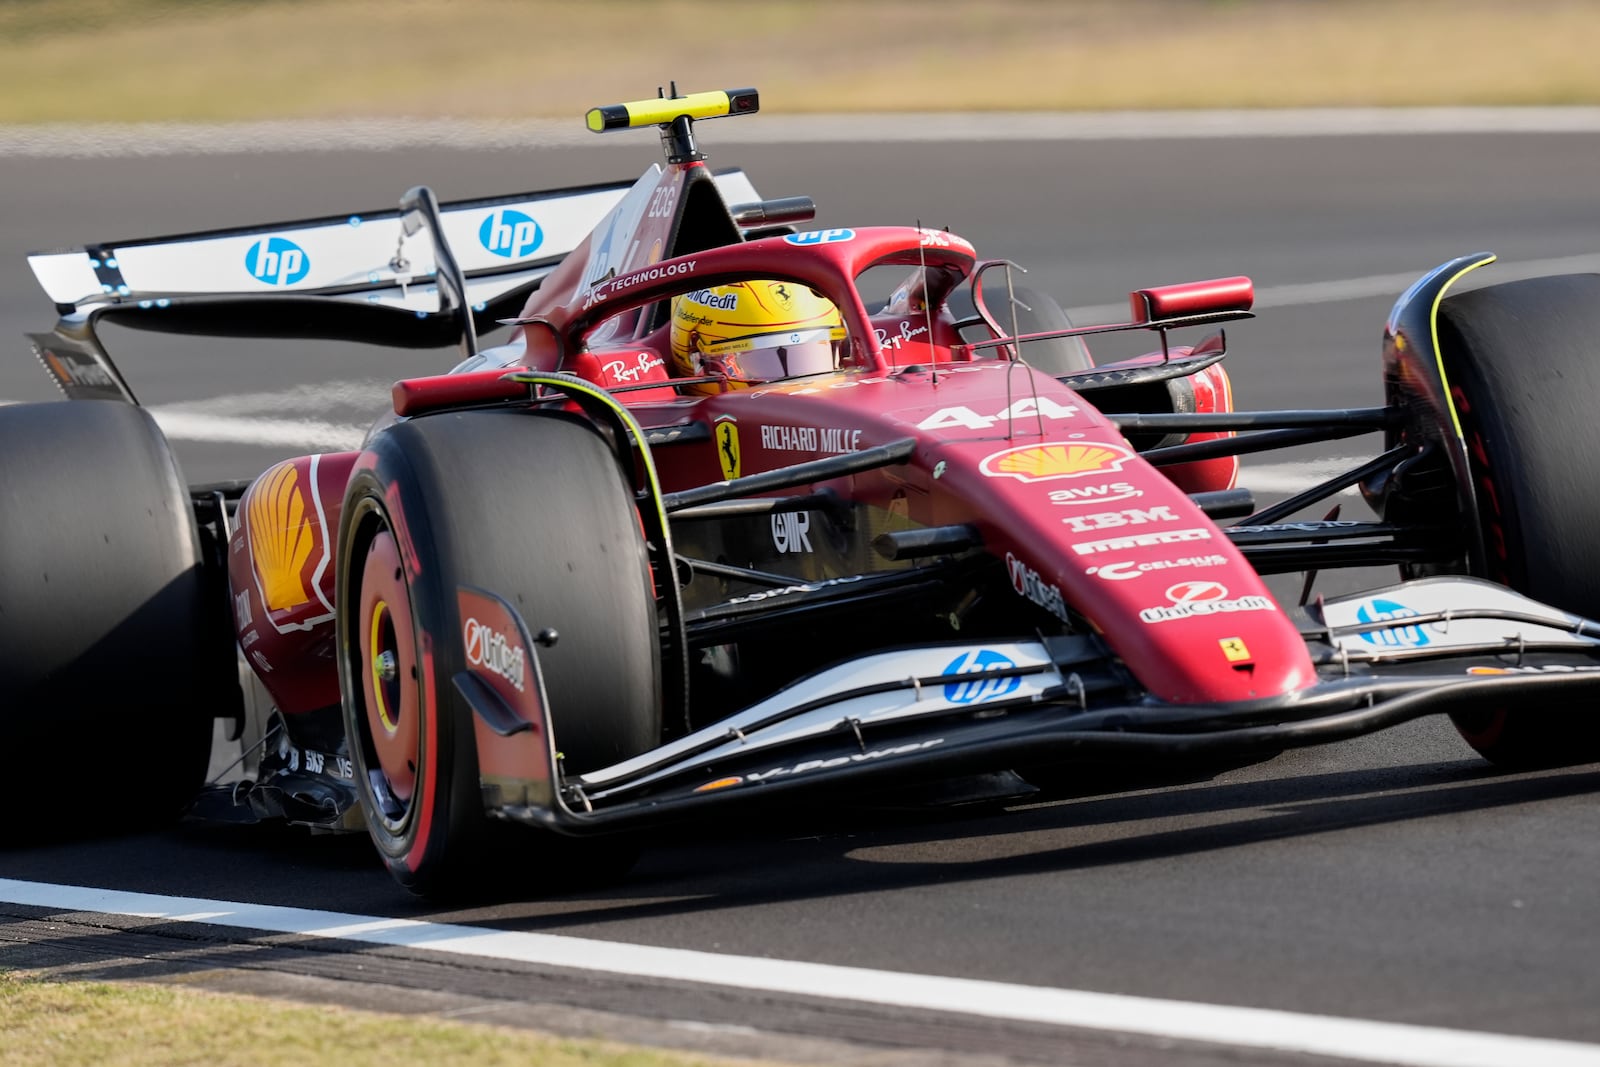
[1141,540]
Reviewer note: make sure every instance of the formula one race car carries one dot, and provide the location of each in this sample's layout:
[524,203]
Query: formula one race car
[732,520]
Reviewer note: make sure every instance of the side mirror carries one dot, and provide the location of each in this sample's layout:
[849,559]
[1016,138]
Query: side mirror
[1218,296]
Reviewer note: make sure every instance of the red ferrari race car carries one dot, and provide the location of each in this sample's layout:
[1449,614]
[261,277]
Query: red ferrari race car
[747,514]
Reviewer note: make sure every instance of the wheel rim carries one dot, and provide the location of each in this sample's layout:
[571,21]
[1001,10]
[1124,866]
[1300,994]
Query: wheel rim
[388,670]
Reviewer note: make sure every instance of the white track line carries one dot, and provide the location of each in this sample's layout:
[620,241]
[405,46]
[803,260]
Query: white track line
[1377,1042]
[1373,285]
[1292,477]
[390,134]
[180,423]
[308,434]
[309,398]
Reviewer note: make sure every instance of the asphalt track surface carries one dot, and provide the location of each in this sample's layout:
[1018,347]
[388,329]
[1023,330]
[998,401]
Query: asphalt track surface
[1395,878]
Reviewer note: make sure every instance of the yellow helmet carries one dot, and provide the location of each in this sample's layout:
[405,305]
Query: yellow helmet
[753,331]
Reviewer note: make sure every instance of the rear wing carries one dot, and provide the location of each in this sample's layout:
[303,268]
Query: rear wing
[423,275]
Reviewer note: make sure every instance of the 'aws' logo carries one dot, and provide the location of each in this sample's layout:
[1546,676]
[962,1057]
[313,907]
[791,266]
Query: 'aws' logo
[277,261]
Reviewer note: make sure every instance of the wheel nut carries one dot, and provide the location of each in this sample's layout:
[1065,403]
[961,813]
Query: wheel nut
[387,666]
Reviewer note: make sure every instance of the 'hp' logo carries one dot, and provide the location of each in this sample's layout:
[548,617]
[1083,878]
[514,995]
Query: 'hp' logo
[1395,637]
[820,237]
[277,261]
[979,689]
[510,233]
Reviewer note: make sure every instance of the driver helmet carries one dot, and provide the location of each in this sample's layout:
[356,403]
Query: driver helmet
[753,331]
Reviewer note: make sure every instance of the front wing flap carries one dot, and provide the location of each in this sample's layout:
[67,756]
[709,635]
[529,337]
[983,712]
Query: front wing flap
[913,716]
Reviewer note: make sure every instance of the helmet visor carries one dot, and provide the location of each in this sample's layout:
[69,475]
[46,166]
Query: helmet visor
[776,355]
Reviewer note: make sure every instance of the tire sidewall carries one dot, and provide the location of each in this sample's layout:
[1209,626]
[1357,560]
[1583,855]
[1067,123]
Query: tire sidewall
[444,811]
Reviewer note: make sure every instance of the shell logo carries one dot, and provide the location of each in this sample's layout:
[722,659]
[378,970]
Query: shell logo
[281,537]
[1043,463]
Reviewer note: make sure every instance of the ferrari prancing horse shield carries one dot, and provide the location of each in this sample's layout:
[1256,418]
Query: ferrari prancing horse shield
[728,448]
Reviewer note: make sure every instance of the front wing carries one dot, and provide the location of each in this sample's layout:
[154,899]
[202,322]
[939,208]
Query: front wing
[920,715]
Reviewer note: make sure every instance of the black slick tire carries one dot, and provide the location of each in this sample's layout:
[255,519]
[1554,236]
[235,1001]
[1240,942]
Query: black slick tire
[109,647]
[1524,366]
[532,508]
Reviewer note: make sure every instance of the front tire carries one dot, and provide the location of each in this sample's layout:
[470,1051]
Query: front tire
[1524,366]
[534,509]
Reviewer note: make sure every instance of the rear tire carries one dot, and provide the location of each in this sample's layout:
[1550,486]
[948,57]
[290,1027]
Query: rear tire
[532,508]
[110,654]
[1524,366]
[1037,312]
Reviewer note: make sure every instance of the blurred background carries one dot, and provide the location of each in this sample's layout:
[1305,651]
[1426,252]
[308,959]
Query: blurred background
[199,60]
[1374,879]
[284,109]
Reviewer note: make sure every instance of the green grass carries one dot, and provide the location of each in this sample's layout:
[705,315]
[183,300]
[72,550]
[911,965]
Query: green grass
[65,1024]
[128,60]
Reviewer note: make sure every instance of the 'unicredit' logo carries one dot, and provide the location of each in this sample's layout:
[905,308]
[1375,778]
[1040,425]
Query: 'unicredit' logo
[488,648]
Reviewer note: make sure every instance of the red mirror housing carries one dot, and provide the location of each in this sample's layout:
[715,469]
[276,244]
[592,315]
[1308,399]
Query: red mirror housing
[1213,297]
[417,396]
